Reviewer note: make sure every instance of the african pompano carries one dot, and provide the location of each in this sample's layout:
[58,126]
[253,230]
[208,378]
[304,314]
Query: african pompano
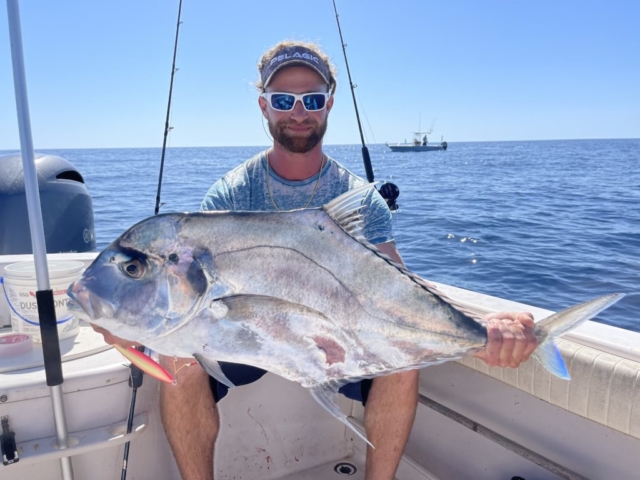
[300,294]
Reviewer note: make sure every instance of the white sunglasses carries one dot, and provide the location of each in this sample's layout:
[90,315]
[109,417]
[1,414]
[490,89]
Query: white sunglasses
[284,102]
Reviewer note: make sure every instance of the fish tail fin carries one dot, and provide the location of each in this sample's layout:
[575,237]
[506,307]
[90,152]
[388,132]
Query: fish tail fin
[556,325]
[548,354]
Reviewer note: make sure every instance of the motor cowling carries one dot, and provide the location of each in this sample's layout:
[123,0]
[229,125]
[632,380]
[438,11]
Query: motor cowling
[67,208]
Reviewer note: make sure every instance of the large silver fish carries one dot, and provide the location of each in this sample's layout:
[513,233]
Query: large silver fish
[300,294]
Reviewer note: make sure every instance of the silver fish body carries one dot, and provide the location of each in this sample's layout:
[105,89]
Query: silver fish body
[300,294]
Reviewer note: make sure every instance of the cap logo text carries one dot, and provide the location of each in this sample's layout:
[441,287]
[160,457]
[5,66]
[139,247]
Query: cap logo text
[286,56]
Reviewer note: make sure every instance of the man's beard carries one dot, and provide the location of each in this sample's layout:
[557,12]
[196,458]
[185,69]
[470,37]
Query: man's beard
[298,144]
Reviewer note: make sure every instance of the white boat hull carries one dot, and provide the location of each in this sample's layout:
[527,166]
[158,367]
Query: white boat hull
[415,148]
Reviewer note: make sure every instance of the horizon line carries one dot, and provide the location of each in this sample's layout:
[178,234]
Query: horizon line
[12,150]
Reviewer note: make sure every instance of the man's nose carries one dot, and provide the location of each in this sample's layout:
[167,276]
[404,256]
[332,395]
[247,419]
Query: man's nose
[299,111]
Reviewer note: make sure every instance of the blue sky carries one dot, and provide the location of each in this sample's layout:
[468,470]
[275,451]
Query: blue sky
[98,72]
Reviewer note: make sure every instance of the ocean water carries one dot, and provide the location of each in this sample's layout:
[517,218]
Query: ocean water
[547,223]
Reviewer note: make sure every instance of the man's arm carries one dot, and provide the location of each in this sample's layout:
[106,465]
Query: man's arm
[112,339]
[510,338]
[390,250]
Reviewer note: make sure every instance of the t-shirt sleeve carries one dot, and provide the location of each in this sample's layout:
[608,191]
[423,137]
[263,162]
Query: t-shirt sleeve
[219,197]
[377,219]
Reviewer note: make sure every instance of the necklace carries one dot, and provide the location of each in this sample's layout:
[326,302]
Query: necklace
[312,193]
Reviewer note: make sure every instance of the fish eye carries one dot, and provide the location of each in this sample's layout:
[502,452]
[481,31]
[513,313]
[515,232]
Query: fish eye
[133,268]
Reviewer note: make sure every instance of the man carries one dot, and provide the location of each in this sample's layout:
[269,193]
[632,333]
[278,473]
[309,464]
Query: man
[297,82]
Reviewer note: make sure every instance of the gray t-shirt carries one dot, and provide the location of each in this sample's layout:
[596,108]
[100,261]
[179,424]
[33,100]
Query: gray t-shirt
[245,189]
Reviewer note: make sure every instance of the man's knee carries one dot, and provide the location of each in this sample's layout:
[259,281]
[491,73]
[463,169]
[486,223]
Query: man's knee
[397,384]
[190,380]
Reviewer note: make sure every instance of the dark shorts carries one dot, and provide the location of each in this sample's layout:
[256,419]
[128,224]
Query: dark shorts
[245,374]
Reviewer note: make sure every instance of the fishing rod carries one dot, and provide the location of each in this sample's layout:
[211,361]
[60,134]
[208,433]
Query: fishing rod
[166,123]
[136,374]
[44,294]
[389,191]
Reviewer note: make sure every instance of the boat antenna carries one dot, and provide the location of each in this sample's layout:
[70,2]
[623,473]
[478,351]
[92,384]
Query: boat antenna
[136,374]
[167,128]
[389,191]
[44,294]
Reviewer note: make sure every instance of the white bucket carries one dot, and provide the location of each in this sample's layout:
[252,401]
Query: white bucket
[20,285]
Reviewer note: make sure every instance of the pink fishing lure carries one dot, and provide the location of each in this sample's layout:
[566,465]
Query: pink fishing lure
[145,363]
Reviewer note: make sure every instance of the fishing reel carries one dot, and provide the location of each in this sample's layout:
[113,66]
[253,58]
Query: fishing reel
[390,192]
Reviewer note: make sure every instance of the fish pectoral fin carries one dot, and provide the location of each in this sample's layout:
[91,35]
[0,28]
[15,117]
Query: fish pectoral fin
[253,310]
[326,394]
[212,367]
[318,335]
[243,306]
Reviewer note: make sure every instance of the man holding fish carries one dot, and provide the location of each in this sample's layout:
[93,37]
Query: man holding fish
[297,83]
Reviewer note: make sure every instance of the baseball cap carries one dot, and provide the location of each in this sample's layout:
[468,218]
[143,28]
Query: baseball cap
[294,55]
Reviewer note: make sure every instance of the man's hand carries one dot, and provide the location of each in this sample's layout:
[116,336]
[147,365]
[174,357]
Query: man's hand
[112,339]
[510,339]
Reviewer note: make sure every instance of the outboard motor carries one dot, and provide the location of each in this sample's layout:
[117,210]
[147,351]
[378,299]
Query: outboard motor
[67,209]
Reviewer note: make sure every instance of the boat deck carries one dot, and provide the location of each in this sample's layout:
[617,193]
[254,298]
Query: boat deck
[350,467]
[353,468]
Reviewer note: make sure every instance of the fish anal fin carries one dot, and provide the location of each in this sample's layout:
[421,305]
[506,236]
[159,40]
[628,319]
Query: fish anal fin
[212,367]
[326,394]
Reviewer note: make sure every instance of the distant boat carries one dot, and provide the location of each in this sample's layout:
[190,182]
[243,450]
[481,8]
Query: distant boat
[419,144]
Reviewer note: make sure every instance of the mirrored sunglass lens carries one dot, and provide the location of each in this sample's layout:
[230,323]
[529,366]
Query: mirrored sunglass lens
[314,101]
[282,101]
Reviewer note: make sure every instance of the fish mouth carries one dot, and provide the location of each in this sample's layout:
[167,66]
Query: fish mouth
[80,301]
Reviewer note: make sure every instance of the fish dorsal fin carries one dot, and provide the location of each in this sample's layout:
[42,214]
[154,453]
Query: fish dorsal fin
[346,210]
[462,307]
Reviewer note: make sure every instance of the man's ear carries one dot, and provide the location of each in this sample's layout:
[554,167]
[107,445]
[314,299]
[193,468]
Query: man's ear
[263,106]
[329,103]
